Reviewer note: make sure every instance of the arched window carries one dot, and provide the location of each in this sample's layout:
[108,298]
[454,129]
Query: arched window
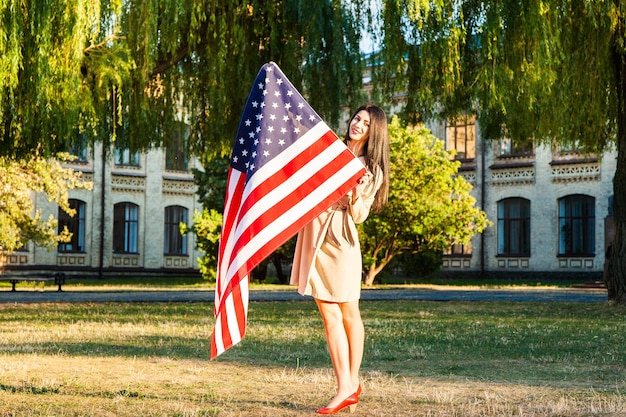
[125,227]
[175,242]
[75,225]
[514,227]
[577,225]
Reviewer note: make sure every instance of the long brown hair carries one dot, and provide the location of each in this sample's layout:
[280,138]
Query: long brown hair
[376,150]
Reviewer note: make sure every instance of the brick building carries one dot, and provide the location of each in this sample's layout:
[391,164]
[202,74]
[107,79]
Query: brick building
[128,222]
[550,209]
[550,206]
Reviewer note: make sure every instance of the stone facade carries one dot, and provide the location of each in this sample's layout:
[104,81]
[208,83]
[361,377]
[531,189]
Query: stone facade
[150,189]
[543,178]
[546,179]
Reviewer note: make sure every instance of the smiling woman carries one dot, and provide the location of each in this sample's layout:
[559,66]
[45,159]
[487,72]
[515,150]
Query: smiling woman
[328,263]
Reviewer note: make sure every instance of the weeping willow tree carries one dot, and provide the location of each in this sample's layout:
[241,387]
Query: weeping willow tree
[131,70]
[550,71]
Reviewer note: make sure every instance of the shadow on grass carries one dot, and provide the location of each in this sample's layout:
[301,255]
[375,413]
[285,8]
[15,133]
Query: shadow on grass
[144,346]
[28,389]
[250,351]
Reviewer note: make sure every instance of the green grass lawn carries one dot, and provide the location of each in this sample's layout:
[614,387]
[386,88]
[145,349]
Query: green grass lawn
[422,358]
[197,282]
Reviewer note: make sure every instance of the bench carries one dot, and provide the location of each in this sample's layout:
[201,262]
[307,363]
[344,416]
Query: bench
[57,277]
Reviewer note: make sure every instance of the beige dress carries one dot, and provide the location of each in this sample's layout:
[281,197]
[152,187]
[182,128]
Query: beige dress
[327,261]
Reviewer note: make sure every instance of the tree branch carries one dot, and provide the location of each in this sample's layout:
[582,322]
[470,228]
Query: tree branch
[166,64]
[108,39]
[183,51]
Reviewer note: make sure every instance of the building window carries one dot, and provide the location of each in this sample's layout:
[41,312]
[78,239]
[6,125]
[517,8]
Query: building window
[577,220]
[176,150]
[126,157]
[514,227]
[458,250]
[76,226]
[78,148]
[510,147]
[175,242]
[125,227]
[461,137]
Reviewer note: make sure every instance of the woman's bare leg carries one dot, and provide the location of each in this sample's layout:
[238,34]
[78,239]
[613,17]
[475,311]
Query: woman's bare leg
[339,349]
[355,332]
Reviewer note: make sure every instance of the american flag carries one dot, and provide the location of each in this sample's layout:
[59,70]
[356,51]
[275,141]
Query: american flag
[287,166]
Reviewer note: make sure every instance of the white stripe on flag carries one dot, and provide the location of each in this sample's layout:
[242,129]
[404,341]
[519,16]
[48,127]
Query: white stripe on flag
[217,334]
[231,319]
[311,200]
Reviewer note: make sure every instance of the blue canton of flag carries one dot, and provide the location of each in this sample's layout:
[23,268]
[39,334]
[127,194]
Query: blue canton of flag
[275,116]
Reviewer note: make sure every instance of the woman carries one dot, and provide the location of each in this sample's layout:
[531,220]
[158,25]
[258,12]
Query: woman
[327,261]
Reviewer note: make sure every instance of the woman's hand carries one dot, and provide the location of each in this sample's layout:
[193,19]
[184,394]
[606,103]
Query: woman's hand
[364,181]
[366,178]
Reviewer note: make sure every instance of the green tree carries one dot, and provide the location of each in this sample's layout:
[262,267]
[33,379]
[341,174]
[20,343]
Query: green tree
[430,207]
[207,226]
[20,222]
[211,181]
[129,70]
[551,71]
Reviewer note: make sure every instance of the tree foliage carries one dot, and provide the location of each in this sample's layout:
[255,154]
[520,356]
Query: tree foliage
[507,60]
[41,90]
[211,182]
[20,222]
[127,70]
[430,206]
[207,226]
[131,72]
[550,71]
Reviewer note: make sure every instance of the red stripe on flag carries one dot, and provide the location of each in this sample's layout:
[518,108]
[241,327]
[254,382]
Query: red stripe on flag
[233,202]
[214,351]
[290,229]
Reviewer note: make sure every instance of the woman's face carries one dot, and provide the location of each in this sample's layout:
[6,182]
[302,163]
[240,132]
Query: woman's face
[359,129]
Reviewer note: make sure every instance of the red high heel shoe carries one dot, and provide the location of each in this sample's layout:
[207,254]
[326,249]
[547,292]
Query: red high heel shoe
[351,402]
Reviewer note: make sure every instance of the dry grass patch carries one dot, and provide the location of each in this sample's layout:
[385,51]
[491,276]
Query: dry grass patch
[422,358]
[42,385]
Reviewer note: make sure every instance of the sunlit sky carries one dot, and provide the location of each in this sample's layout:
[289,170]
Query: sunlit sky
[367,43]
